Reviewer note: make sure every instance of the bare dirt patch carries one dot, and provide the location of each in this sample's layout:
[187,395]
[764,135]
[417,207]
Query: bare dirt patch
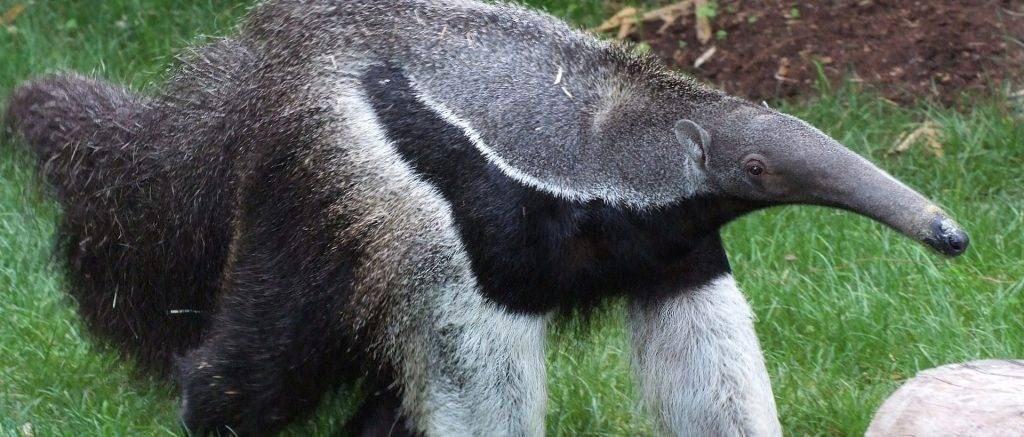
[765,49]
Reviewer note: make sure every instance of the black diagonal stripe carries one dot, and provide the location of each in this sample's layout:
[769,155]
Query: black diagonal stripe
[532,251]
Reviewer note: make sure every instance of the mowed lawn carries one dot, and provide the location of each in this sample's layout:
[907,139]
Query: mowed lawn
[847,309]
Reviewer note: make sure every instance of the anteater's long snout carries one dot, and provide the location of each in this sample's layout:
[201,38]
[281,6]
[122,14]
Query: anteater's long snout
[868,190]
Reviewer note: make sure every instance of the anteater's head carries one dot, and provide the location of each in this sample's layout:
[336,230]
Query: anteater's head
[764,157]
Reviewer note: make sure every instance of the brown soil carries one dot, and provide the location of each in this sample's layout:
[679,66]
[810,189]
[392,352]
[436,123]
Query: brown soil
[904,48]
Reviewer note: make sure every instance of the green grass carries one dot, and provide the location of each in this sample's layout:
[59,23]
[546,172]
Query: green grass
[859,309]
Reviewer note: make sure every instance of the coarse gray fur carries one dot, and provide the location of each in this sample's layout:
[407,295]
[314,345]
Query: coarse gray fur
[559,109]
[280,112]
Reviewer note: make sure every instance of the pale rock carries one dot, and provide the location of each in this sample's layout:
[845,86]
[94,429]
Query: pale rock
[979,398]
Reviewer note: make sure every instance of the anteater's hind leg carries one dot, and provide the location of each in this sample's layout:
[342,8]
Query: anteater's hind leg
[280,339]
[379,416]
[269,360]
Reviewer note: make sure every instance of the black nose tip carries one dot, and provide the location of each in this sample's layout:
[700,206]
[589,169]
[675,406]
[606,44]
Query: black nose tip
[948,238]
[957,243]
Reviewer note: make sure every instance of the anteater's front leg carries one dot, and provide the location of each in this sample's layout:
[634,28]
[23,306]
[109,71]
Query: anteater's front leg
[697,356]
[473,368]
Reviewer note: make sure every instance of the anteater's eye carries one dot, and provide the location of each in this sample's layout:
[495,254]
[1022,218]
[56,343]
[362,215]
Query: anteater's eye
[755,167]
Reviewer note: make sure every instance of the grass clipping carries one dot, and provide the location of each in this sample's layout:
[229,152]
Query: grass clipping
[927,133]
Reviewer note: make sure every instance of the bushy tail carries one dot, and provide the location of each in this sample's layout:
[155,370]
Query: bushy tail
[66,115]
[142,233]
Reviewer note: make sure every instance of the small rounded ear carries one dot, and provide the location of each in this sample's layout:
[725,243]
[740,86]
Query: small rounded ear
[695,139]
